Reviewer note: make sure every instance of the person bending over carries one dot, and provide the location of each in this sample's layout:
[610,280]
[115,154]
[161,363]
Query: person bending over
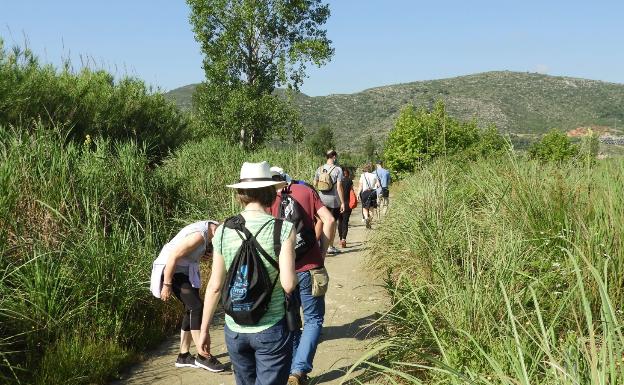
[176,271]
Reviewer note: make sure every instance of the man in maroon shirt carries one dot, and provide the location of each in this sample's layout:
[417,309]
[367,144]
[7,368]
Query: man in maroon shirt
[308,266]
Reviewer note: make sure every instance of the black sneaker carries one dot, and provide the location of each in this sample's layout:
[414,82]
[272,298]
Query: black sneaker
[209,363]
[185,361]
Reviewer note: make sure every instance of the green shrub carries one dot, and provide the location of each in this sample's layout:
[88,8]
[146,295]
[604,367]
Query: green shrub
[420,136]
[555,146]
[88,102]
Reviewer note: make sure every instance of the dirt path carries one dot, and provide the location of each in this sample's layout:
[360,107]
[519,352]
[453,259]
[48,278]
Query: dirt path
[352,303]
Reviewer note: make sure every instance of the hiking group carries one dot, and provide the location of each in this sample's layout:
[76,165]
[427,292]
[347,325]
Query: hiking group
[282,235]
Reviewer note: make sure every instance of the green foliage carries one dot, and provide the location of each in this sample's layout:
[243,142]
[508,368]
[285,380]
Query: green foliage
[516,102]
[242,116]
[554,147]
[89,102]
[369,149]
[81,224]
[249,48]
[320,141]
[504,272]
[73,359]
[420,136]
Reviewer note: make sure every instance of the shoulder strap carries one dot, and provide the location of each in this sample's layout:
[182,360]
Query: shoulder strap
[257,245]
[366,180]
[330,175]
[277,237]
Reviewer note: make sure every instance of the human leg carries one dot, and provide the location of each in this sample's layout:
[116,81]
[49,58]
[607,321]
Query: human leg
[273,354]
[191,324]
[185,341]
[336,214]
[345,220]
[242,355]
[313,317]
[343,227]
[193,304]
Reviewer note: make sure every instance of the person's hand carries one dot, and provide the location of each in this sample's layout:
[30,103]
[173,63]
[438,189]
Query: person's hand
[204,343]
[165,293]
[342,208]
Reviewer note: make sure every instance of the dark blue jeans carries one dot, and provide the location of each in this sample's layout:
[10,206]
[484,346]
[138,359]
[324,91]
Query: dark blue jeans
[260,358]
[305,343]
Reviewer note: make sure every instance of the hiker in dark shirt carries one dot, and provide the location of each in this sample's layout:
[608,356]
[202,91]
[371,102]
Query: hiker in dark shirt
[350,201]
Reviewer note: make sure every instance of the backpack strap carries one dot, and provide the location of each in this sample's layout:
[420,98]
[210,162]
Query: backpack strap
[260,249]
[277,237]
[366,180]
[330,175]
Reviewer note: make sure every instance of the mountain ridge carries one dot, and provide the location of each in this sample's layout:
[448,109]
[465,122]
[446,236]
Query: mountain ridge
[519,103]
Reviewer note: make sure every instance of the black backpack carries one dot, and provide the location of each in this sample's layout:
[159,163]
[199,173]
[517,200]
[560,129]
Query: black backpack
[248,288]
[290,210]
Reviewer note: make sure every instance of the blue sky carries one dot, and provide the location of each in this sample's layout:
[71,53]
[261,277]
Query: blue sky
[376,42]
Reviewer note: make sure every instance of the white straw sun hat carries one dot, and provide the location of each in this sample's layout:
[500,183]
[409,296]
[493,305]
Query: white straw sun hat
[278,171]
[256,175]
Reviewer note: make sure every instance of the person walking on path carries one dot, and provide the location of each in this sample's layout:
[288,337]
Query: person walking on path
[311,272]
[328,180]
[349,196]
[261,352]
[383,193]
[367,192]
[176,270]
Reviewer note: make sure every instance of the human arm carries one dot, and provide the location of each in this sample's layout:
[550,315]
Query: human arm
[211,299]
[359,189]
[341,195]
[328,220]
[188,244]
[318,227]
[286,260]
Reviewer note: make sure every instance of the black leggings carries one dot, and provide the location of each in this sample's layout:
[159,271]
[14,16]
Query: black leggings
[189,296]
[343,224]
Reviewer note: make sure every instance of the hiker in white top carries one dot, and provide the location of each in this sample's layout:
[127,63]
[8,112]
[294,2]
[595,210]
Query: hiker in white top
[333,197]
[367,191]
[176,270]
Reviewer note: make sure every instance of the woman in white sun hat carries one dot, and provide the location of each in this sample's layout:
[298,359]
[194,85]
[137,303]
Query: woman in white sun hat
[261,353]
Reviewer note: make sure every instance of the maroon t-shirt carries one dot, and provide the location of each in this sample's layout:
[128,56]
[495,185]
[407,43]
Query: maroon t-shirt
[311,203]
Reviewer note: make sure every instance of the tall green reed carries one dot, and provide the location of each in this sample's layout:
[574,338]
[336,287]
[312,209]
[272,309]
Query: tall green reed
[504,272]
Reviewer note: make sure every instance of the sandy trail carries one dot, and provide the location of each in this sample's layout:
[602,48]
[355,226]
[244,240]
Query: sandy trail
[353,301]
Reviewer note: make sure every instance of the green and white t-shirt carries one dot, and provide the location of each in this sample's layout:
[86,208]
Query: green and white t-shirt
[227,244]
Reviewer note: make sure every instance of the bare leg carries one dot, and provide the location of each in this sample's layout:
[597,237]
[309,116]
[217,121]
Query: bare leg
[185,341]
[195,334]
[333,233]
[367,218]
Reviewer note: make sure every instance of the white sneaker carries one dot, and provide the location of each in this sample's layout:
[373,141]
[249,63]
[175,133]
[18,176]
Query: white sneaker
[332,250]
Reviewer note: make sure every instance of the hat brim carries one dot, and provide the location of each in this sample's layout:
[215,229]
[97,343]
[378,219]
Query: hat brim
[258,184]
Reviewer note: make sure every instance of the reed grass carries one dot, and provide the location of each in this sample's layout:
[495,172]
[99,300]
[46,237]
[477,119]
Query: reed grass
[81,225]
[504,272]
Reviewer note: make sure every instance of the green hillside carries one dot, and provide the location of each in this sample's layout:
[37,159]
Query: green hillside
[517,102]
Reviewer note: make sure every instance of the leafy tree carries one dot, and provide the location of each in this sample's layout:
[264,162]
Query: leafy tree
[555,146]
[421,135]
[321,141]
[86,102]
[369,147]
[251,47]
